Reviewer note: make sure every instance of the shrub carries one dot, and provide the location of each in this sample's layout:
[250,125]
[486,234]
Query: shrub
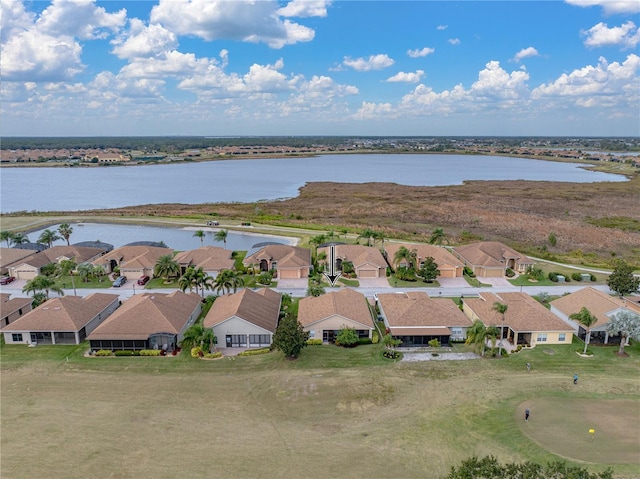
[469,272]
[104,352]
[150,352]
[576,276]
[593,277]
[391,354]
[375,338]
[314,342]
[364,341]
[347,337]
[196,352]
[510,273]
[434,343]
[254,352]
[215,355]
[123,353]
[553,276]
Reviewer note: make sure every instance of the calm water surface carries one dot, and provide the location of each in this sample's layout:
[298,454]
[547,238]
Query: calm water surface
[71,189]
[180,239]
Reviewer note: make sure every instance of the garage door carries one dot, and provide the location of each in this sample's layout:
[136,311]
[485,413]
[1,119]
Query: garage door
[368,273]
[289,274]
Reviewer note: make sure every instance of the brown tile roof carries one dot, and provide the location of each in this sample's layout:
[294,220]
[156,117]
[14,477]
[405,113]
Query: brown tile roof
[442,256]
[9,305]
[209,258]
[524,314]
[145,314]
[490,253]
[134,257]
[358,254]
[79,254]
[10,256]
[68,313]
[261,308]
[286,256]
[347,303]
[597,302]
[416,308]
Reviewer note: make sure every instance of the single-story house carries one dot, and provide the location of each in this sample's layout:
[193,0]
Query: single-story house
[325,315]
[64,320]
[367,261]
[285,261]
[600,304]
[490,259]
[148,321]
[526,321]
[11,256]
[30,267]
[415,318]
[212,259]
[245,319]
[448,265]
[12,308]
[133,261]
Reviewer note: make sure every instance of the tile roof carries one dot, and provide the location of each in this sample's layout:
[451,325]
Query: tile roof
[261,308]
[134,257]
[79,254]
[209,258]
[490,253]
[358,254]
[441,255]
[9,305]
[9,256]
[597,302]
[67,313]
[524,314]
[287,256]
[347,303]
[145,314]
[416,308]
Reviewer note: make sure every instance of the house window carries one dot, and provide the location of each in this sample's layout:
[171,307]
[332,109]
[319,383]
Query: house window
[561,337]
[312,333]
[259,339]
[274,264]
[542,337]
[16,337]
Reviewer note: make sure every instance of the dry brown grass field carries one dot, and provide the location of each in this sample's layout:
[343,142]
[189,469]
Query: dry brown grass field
[331,414]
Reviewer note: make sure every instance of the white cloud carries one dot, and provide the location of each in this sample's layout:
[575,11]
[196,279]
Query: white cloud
[243,21]
[442,27]
[172,63]
[526,53]
[411,77]
[370,111]
[142,41]
[610,6]
[374,62]
[422,52]
[305,8]
[454,41]
[14,19]
[605,84]
[626,35]
[79,18]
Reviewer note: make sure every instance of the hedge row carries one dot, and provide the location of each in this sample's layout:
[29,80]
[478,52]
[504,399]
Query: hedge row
[253,352]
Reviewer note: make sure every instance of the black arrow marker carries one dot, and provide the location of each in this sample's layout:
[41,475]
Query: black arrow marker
[332,275]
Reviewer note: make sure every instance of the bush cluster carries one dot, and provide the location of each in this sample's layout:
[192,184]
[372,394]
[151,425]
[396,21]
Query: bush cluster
[553,276]
[215,355]
[469,272]
[254,352]
[391,354]
[197,352]
[125,352]
[364,341]
[314,342]
[104,352]
[375,337]
[150,352]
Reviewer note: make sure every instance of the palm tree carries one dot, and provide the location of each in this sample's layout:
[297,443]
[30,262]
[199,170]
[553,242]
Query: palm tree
[587,319]
[478,334]
[166,267]
[500,308]
[65,268]
[192,337]
[202,280]
[627,325]
[187,280]
[65,231]
[317,241]
[6,236]
[379,235]
[221,235]
[85,271]
[407,255]
[200,234]
[48,237]
[366,234]
[99,272]
[223,281]
[208,338]
[42,283]
[19,238]
[438,236]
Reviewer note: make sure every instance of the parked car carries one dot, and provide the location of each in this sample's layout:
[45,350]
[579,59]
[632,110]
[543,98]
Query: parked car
[142,280]
[212,223]
[7,279]
[120,280]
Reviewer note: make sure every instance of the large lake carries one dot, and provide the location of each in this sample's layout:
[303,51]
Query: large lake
[71,189]
[180,239]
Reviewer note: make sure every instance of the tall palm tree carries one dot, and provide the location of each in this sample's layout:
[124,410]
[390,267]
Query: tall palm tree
[223,281]
[42,284]
[406,255]
[6,236]
[187,280]
[478,335]
[501,309]
[85,271]
[65,231]
[65,268]
[200,234]
[438,236]
[19,238]
[366,234]
[99,272]
[166,267]
[317,241]
[221,235]
[202,280]
[587,319]
[48,237]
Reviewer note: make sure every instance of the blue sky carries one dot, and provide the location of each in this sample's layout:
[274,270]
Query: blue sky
[320,67]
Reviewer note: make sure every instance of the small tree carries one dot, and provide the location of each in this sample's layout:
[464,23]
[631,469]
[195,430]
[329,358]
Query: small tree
[315,290]
[587,319]
[627,325]
[290,337]
[501,309]
[553,240]
[429,270]
[622,280]
[390,342]
[347,337]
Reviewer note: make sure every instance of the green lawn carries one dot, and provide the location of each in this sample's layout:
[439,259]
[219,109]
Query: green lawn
[266,416]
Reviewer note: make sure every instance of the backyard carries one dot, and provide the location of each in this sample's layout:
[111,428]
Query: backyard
[334,412]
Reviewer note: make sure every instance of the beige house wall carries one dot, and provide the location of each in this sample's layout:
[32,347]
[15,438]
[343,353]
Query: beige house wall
[335,322]
[553,337]
[236,325]
[10,318]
